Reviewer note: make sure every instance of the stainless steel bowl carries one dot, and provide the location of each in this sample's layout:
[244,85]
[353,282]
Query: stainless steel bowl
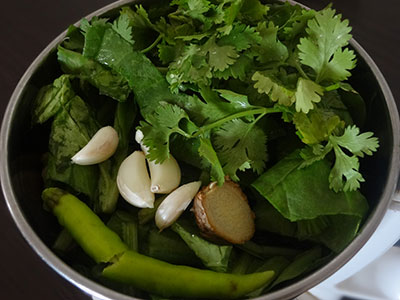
[21,180]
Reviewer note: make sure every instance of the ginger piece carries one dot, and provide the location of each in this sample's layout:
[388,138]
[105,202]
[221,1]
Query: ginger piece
[223,212]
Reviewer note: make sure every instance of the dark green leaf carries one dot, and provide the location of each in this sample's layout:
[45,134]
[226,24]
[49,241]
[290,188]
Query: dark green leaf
[71,130]
[168,246]
[51,99]
[108,82]
[299,266]
[149,86]
[213,256]
[126,226]
[301,194]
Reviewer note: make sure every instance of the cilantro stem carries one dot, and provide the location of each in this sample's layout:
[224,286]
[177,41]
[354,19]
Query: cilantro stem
[182,132]
[332,87]
[152,45]
[262,110]
[300,69]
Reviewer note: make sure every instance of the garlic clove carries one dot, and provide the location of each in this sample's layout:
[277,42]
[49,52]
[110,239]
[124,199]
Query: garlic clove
[165,177]
[175,203]
[133,181]
[100,147]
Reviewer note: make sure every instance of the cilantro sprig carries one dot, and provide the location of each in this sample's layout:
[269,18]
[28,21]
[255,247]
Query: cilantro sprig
[345,175]
[218,67]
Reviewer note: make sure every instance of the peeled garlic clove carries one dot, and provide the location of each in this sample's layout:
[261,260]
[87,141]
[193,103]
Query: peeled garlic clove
[100,147]
[165,177]
[133,181]
[175,203]
[139,137]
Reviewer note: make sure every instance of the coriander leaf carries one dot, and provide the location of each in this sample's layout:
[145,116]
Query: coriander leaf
[195,9]
[158,129]
[108,82]
[191,67]
[228,11]
[277,92]
[211,160]
[322,49]
[296,24]
[253,11]
[339,66]
[122,27]
[270,49]
[355,142]
[238,69]
[210,109]
[344,174]
[316,126]
[142,31]
[240,146]
[180,26]
[333,101]
[307,93]
[242,37]
[313,153]
[95,21]
[166,53]
[219,57]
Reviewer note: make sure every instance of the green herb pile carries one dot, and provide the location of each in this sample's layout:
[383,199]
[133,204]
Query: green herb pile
[257,92]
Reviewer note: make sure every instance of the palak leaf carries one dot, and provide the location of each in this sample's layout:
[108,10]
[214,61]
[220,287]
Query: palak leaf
[148,85]
[302,194]
[213,256]
[51,98]
[108,82]
[71,130]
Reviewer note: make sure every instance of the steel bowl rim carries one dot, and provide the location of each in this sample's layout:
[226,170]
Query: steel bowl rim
[99,291]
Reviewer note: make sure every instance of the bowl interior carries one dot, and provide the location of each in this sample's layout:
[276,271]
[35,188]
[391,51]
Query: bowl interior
[27,143]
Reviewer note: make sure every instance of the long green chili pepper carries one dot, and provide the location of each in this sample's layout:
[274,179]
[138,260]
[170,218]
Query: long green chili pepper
[138,270]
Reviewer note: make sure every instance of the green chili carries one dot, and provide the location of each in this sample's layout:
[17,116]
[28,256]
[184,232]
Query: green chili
[140,271]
